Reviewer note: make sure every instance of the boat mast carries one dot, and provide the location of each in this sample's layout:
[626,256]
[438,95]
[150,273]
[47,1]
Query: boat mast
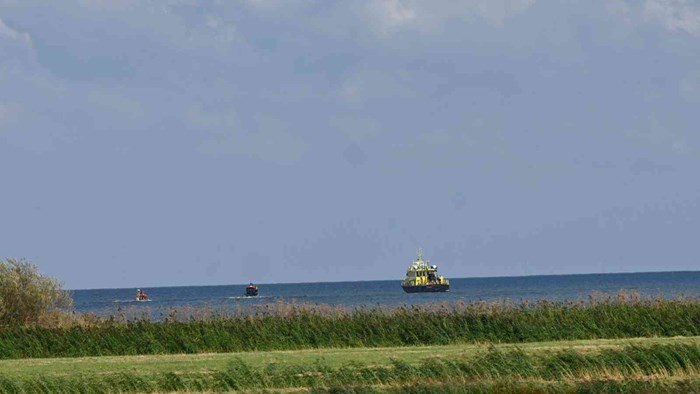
[419,256]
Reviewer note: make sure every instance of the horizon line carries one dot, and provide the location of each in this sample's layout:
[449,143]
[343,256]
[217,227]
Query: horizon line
[392,279]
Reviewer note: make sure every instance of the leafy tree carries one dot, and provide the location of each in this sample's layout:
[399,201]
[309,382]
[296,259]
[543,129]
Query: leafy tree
[26,295]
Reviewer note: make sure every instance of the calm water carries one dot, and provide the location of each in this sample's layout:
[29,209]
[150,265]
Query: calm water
[389,293]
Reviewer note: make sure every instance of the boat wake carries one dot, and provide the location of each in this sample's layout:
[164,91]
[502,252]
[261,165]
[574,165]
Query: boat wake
[127,301]
[248,297]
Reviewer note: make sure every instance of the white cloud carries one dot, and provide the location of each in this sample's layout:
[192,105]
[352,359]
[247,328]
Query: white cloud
[15,47]
[132,30]
[497,12]
[620,9]
[394,12]
[274,4]
[40,111]
[16,63]
[7,32]
[428,16]
[222,31]
[674,15]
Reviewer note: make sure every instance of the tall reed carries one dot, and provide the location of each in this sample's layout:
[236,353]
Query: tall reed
[284,326]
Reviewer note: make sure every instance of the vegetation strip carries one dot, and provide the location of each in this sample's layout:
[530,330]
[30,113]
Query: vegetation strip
[335,358]
[657,365]
[290,326]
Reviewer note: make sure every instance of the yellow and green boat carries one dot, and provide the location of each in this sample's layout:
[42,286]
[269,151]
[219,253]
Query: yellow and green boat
[421,277]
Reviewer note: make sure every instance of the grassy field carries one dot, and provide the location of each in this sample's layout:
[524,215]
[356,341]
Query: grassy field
[621,365]
[335,358]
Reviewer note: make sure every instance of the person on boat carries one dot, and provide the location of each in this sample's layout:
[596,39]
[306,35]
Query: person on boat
[141,295]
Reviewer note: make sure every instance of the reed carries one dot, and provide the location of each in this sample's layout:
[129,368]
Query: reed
[659,368]
[285,326]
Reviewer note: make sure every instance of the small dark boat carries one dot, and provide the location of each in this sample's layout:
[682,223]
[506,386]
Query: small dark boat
[251,290]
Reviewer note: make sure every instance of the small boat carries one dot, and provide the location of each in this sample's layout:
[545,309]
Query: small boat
[251,290]
[141,296]
[421,277]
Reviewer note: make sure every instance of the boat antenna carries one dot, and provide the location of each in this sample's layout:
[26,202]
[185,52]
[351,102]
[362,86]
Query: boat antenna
[419,257]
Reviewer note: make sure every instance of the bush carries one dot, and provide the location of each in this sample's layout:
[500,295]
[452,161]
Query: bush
[26,296]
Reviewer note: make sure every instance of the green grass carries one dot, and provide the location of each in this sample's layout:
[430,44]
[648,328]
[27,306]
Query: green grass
[636,365]
[287,327]
[335,358]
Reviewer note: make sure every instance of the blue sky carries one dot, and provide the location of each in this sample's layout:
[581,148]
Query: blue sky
[153,143]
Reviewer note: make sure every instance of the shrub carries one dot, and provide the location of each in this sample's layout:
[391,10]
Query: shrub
[26,295]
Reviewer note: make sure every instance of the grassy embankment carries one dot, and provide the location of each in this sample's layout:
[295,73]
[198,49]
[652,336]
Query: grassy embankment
[632,365]
[289,326]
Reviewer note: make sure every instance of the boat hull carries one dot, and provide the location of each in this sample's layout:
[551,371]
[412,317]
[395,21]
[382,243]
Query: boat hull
[435,288]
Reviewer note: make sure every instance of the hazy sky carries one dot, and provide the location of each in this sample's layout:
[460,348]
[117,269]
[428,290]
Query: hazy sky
[176,142]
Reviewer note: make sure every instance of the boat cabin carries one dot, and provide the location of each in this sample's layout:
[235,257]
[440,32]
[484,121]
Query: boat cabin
[423,273]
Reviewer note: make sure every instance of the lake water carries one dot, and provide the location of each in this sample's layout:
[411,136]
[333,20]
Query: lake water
[389,293]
